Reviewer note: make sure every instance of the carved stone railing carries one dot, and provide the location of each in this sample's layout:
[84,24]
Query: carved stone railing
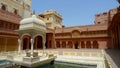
[9,16]
[82,36]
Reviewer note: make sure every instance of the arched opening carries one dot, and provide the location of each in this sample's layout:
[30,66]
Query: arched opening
[88,44]
[58,44]
[3,7]
[50,44]
[75,33]
[1,24]
[15,11]
[38,43]
[82,44]
[26,42]
[76,45]
[63,45]
[95,44]
[70,44]
[46,45]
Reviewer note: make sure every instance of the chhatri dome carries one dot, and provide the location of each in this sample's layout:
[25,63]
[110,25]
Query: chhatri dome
[32,23]
[33,27]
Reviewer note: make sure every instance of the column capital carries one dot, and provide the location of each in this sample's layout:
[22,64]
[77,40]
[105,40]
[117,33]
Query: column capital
[19,40]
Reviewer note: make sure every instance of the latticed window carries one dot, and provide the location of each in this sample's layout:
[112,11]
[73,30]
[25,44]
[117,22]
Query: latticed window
[3,7]
[15,11]
[1,25]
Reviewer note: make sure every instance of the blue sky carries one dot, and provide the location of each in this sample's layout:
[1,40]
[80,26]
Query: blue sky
[75,12]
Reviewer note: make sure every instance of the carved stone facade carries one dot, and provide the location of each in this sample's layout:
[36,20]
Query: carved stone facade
[105,17]
[52,19]
[19,7]
[101,35]
[89,36]
[114,30]
[11,12]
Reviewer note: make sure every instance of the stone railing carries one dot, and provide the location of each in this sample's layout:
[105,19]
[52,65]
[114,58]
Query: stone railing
[9,16]
[88,55]
[83,36]
[109,61]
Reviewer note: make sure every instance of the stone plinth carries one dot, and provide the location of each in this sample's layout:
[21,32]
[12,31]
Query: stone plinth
[30,59]
[35,54]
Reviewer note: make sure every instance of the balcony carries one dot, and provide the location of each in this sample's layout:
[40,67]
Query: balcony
[9,16]
[62,37]
[83,36]
[93,36]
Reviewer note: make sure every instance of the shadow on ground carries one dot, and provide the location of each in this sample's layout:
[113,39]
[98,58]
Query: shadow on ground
[115,55]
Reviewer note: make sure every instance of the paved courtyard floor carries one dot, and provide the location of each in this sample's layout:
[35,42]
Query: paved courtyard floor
[113,54]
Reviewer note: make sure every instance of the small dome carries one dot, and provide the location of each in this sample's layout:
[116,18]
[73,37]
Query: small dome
[32,19]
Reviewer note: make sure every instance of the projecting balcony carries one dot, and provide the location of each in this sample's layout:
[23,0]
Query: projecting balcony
[61,37]
[93,36]
[83,36]
[9,16]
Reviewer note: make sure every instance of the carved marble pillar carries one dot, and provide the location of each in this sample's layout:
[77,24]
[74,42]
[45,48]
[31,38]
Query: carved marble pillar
[66,44]
[85,44]
[19,46]
[60,44]
[32,44]
[28,43]
[44,46]
[79,45]
[73,45]
[91,44]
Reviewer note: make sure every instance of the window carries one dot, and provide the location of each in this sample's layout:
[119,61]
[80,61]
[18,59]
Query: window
[15,11]
[6,25]
[105,13]
[3,7]
[1,25]
[98,15]
[10,26]
[47,18]
[28,6]
[99,22]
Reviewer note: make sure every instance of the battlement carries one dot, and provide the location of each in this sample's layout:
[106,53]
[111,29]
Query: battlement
[52,12]
[104,17]
[101,14]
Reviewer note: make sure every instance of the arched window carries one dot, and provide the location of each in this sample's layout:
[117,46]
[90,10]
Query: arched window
[82,44]
[99,22]
[3,7]
[63,45]
[58,44]
[75,33]
[1,25]
[47,18]
[95,44]
[88,44]
[15,11]
[70,44]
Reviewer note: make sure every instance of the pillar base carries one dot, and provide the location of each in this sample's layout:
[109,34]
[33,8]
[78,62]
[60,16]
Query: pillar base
[30,59]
